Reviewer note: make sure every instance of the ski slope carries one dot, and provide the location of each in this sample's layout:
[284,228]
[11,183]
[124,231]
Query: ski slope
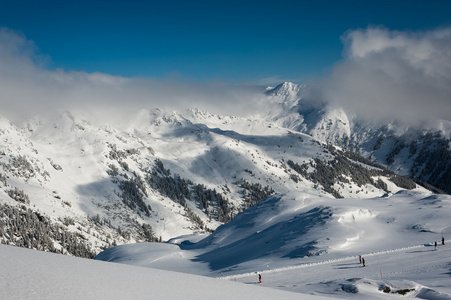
[420,269]
[310,245]
[424,271]
[32,274]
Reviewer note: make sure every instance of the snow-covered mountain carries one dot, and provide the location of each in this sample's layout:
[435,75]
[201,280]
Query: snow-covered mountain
[163,174]
[422,152]
[301,181]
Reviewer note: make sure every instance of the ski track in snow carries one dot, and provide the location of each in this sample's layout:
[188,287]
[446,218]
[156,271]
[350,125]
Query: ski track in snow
[379,266]
[329,261]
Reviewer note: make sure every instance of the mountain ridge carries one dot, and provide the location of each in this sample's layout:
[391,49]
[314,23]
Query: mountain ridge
[405,149]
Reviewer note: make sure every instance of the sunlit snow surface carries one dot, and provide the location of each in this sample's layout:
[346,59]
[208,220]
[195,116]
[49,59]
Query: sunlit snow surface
[310,244]
[31,274]
[303,246]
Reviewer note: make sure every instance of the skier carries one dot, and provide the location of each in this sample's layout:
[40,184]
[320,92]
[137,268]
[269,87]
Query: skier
[363,261]
[259,278]
[443,240]
[360,259]
[435,245]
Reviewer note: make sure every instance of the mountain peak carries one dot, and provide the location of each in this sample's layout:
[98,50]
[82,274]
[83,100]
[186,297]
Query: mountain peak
[287,90]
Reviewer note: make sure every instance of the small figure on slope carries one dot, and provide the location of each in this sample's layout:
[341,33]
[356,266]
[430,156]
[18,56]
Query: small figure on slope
[259,278]
[360,259]
[363,261]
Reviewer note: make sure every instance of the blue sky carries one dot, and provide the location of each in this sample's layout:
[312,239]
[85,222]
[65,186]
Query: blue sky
[383,60]
[238,41]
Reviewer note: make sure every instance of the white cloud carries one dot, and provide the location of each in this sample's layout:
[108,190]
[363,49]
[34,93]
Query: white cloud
[391,75]
[385,75]
[29,88]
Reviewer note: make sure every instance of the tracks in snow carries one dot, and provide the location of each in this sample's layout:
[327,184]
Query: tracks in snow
[342,259]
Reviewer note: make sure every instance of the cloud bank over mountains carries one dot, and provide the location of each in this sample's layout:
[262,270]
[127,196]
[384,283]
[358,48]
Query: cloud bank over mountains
[29,87]
[390,75]
[384,76]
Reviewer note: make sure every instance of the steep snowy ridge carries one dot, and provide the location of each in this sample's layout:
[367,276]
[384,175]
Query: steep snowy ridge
[329,124]
[290,109]
[286,92]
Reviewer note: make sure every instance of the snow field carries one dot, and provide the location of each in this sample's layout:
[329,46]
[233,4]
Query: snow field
[310,245]
[31,274]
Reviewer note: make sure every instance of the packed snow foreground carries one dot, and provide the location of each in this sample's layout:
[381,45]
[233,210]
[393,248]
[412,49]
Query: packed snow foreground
[311,245]
[303,246]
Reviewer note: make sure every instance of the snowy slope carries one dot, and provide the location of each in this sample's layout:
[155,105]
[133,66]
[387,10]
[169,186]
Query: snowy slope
[310,244]
[30,274]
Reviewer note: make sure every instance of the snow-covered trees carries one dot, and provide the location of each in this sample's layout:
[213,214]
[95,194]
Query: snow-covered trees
[26,228]
[432,163]
[178,189]
[133,192]
[19,195]
[345,167]
[253,192]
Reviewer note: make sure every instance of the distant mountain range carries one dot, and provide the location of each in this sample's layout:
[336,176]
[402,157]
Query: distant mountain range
[74,186]
[420,153]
